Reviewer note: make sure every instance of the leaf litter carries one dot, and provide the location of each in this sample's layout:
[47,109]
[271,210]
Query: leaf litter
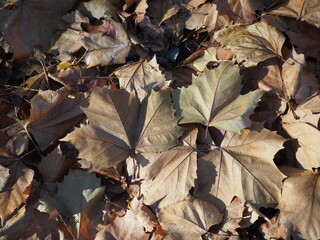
[176,119]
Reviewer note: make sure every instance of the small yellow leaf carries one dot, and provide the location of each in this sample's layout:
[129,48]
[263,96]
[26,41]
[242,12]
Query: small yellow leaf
[64,65]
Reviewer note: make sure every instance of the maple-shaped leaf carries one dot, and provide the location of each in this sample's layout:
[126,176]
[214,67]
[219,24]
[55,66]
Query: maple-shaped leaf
[26,24]
[305,10]
[138,220]
[230,169]
[79,201]
[119,127]
[302,124]
[189,219]
[140,77]
[169,174]
[14,191]
[299,204]
[252,43]
[214,100]
[52,114]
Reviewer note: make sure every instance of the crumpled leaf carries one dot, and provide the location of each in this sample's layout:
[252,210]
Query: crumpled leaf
[138,220]
[194,215]
[99,9]
[306,10]
[141,77]
[26,24]
[52,114]
[119,127]
[171,174]
[228,170]
[78,200]
[214,100]
[300,197]
[14,192]
[252,43]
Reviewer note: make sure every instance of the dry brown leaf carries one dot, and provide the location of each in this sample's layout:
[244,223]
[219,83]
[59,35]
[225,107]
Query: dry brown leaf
[238,163]
[161,10]
[252,43]
[27,25]
[299,204]
[305,10]
[138,220]
[14,192]
[53,114]
[171,174]
[140,77]
[189,219]
[119,127]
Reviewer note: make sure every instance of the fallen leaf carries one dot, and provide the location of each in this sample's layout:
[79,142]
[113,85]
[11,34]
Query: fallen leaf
[171,174]
[214,100]
[119,127]
[140,77]
[78,200]
[209,55]
[13,194]
[306,10]
[228,170]
[52,114]
[252,43]
[189,219]
[161,10]
[300,197]
[27,25]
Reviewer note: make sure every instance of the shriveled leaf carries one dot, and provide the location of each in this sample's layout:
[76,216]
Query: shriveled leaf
[14,194]
[252,43]
[170,174]
[239,163]
[306,10]
[189,219]
[78,200]
[27,25]
[299,204]
[99,9]
[4,174]
[138,220]
[115,130]
[52,114]
[140,77]
[214,100]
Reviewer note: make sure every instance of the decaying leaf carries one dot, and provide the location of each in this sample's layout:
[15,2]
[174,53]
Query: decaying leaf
[252,43]
[214,100]
[228,170]
[119,127]
[195,215]
[52,114]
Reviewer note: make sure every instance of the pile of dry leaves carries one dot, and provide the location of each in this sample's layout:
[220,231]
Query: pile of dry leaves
[159,119]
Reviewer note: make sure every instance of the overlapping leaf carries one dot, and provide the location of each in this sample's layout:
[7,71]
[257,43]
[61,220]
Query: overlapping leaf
[214,100]
[119,127]
[242,160]
[252,43]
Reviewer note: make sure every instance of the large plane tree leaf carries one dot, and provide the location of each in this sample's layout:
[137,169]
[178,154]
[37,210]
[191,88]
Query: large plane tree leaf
[78,200]
[305,10]
[189,219]
[169,174]
[214,100]
[119,127]
[29,24]
[252,43]
[300,204]
[243,166]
